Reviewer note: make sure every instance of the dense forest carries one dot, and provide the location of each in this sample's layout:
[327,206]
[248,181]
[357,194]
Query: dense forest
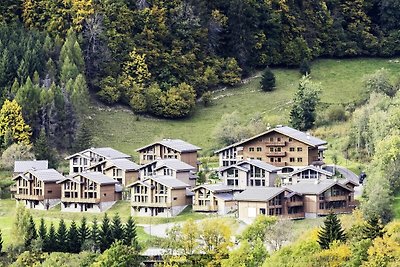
[159,56]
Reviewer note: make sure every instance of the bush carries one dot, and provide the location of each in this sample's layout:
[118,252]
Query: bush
[268,80]
[305,67]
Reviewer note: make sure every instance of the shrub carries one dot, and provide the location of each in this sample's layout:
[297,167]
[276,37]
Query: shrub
[305,67]
[268,80]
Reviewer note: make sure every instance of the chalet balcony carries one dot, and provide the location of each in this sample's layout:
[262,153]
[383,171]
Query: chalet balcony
[295,203]
[81,200]
[337,211]
[151,204]
[276,154]
[204,208]
[281,143]
[336,198]
[29,197]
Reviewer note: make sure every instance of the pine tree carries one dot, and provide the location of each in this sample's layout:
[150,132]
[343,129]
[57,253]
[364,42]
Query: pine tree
[268,80]
[62,237]
[105,233]
[117,229]
[43,151]
[83,232]
[31,233]
[50,243]
[68,71]
[42,233]
[373,228]
[95,238]
[130,235]
[331,231]
[83,138]
[73,239]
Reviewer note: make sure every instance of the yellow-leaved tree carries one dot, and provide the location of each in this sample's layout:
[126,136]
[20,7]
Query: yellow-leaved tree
[12,124]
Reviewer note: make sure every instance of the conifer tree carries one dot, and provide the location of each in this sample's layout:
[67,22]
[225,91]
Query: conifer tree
[43,151]
[73,239]
[331,231]
[373,228]
[83,138]
[42,233]
[95,238]
[62,237]
[83,232]
[50,243]
[105,233]
[68,71]
[130,235]
[304,67]
[117,229]
[268,80]
[31,233]
[80,95]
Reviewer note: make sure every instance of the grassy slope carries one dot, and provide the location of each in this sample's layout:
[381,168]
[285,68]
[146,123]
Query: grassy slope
[396,207]
[341,81]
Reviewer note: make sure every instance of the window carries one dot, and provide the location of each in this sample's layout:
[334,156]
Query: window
[321,206]
[292,159]
[279,139]
[262,211]
[271,159]
[271,149]
[299,159]
[290,139]
[251,149]
[299,149]
[49,191]
[278,149]
[291,149]
[259,149]
[279,159]
[271,139]
[175,198]
[259,158]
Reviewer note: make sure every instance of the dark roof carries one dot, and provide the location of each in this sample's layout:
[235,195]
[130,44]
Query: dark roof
[315,187]
[106,152]
[176,144]
[285,130]
[25,165]
[259,193]
[49,175]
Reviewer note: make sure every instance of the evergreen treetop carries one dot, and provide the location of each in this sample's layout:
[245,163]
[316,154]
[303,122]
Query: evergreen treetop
[330,231]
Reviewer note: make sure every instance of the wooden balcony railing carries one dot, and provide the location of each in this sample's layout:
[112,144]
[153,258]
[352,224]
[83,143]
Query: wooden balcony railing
[80,200]
[336,198]
[29,197]
[276,154]
[340,210]
[295,203]
[151,204]
[299,215]
[281,143]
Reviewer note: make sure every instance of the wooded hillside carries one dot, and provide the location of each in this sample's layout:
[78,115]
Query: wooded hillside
[158,56]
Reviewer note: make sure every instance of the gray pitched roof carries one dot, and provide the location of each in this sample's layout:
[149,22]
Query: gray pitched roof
[49,175]
[176,144]
[260,164]
[106,152]
[217,188]
[226,196]
[285,130]
[315,187]
[170,181]
[97,177]
[124,164]
[327,173]
[259,194]
[23,166]
[174,164]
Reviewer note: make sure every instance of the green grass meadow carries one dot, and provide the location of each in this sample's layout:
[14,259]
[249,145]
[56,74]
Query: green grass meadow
[341,81]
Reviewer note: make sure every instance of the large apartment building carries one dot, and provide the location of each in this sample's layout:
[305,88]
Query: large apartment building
[281,146]
[81,161]
[38,189]
[89,191]
[169,149]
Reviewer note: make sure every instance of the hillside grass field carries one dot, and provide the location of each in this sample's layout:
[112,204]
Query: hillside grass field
[341,81]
